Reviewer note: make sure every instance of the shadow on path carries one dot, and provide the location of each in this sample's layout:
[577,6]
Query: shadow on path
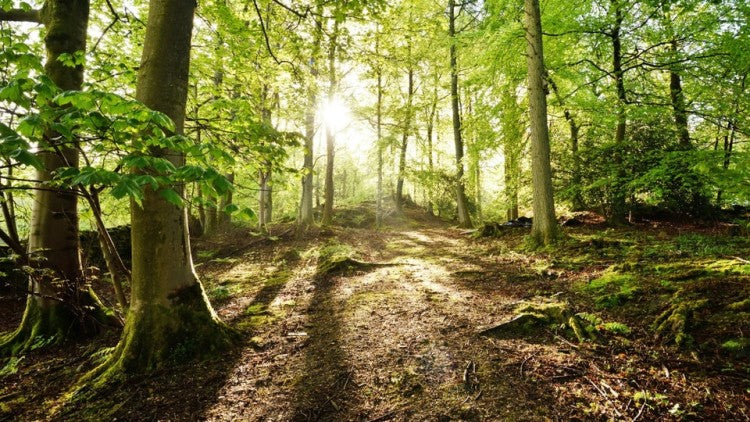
[326,389]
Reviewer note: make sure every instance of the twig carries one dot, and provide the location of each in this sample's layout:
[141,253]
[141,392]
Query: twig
[384,417]
[640,412]
[603,394]
[744,261]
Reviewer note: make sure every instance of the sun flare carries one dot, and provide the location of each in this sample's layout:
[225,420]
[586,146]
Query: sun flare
[336,114]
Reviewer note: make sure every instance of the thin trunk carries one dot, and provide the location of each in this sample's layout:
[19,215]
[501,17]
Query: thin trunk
[464,220]
[575,179]
[544,229]
[431,123]
[512,146]
[225,218]
[330,137]
[618,210]
[379,119]
[678,103]
[170,316]
[730,137]
[306,208]
[405,142]
[117,270]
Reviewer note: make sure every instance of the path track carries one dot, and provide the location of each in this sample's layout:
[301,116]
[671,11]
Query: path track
[392,343]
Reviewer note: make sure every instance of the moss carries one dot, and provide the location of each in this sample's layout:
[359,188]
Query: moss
[158,335]
[613,289]
[737,346]
[47,322]
[743,305]
[675,323]
[279,278]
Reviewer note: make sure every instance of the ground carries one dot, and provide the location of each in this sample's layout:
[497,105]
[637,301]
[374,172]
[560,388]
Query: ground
[400,339]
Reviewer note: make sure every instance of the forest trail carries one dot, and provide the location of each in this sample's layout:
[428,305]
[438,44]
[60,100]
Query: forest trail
[398,341]
[392,342]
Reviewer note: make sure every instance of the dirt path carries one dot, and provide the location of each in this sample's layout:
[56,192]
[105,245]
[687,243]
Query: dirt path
[393,343]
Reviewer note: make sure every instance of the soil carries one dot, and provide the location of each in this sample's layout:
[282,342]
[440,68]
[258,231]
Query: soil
[389,342]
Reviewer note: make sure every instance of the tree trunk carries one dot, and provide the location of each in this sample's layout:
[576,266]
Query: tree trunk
[170,318]
[330,137]
[575,178]
[379,123]
[405,142]
[464,219]
[618,209]
[544,229]
[431,124]
[678,105]
[307,218]
[225,219]
[512,146]
[61,304]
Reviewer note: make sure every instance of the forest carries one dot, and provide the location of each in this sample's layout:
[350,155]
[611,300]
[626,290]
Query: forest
[375,210]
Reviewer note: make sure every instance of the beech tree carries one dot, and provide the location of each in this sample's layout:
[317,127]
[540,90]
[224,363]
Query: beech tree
[60,303]
[544,229]
[169,310]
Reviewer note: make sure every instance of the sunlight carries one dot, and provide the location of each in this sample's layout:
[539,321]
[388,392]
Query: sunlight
[336,114]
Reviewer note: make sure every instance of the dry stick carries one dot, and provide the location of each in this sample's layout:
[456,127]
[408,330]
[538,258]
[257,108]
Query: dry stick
[640,412]
[744,261]
[603,394]
[116,267]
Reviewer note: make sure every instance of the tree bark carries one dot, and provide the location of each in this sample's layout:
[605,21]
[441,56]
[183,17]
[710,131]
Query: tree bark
[618,210]
[464,219]
[330,136]
[379,123]
[225,218]
[405,141]
[170,318]
[306,208]
[575,179]
[431,124]
[61,304]
[678,106]
[544,229]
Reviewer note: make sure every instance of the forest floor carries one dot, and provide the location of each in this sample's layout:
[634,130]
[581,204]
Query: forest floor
[399,340]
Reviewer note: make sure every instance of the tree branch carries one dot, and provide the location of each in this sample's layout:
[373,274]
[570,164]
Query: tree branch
[20,15]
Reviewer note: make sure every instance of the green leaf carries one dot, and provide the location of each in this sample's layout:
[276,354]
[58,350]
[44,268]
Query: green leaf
[172,197]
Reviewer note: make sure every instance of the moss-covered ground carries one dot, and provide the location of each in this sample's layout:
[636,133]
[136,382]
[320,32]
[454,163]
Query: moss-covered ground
[648,322]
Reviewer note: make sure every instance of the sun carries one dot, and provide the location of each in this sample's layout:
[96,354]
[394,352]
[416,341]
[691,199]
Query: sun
[335,114]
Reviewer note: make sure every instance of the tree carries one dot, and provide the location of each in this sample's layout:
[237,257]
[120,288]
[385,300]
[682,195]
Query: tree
[306,208]
[60,304]
[464,219]
[544,229]
[170,317]
[330,135]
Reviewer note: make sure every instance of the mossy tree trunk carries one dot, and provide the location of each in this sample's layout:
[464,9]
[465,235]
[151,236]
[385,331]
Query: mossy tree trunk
[60,305]
[170,318]
[544,229]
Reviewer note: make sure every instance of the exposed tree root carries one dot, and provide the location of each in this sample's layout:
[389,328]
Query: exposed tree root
[540,314]
[48,321]
[339,258]
[675,323]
